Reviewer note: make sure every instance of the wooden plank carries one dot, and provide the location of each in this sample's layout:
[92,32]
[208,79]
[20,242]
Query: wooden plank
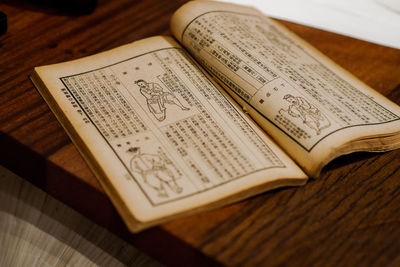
[348,215]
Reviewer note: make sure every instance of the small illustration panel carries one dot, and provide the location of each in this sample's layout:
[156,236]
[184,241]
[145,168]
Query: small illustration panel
[156,171]
[158,98]
[303,110]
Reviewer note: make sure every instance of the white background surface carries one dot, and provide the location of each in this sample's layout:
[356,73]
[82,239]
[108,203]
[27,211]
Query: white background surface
[375,21]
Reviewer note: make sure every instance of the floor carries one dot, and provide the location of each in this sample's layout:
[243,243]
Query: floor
[38,230]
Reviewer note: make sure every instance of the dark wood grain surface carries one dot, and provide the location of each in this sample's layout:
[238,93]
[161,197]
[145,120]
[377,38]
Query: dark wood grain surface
[349,216]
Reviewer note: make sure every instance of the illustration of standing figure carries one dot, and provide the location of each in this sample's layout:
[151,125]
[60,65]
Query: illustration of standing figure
[311,116]
[154,171]
[157,98]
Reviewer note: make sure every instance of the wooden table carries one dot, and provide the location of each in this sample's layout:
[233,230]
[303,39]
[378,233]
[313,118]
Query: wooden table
[351,215]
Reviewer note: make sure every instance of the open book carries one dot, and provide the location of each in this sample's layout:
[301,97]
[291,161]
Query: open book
[233,106]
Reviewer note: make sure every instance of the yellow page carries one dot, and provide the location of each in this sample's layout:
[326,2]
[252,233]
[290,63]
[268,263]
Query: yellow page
[312,108]
[158,133]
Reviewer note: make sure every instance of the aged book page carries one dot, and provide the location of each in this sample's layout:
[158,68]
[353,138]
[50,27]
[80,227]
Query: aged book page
[158,133]
[312,108]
